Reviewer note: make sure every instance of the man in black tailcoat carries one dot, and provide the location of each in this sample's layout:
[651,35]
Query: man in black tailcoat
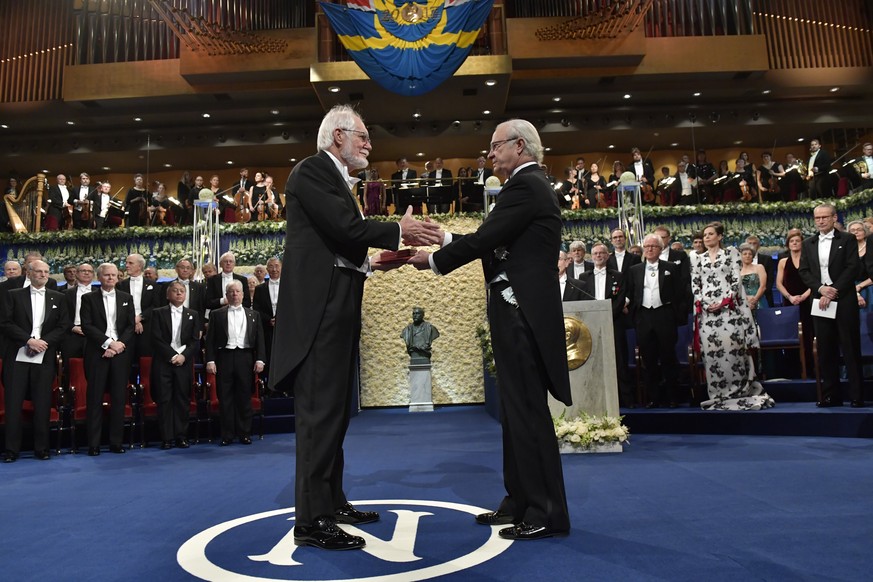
[518,243]
[108,321]
[318,318]
[34,322]
[175,339]
[655,290]
[829,265]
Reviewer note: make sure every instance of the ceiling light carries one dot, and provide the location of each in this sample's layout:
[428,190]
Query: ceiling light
[4,126]
[274,111]
[292,159]
[800,139]
[420,154]
[229,162]
[168,165]
[333,89]
[556,111]
[486,112]
[45,171]
[556,99]
[547,149]
[137,118]
[611,146]
[71,123]
[106,167]
[674,144]
[627,95]
[490,82]
[206,116]
[696,94]
[765,92]
[834,89]
[738,142]
[483,152]
[417,114]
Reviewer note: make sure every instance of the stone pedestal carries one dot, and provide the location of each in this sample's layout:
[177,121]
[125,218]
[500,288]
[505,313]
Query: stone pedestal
[420,388]
[594,385]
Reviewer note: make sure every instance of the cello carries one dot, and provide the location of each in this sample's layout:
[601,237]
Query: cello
[242,204]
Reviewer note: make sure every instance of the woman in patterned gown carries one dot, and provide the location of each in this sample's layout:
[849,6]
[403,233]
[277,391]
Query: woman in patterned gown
[725,327]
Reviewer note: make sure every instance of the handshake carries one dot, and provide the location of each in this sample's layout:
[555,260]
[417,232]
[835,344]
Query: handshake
[414,233]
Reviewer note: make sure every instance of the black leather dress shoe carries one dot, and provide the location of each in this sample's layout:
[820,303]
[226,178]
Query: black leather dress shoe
[858,404]
[829,402]
[349,515]
[93,451]
[325,534]
[10,457]
[182,443]
[166,445]
[117,449]
[652,405]
[494,518]
[526,531]
[225,442]
[42,455]
[245,440]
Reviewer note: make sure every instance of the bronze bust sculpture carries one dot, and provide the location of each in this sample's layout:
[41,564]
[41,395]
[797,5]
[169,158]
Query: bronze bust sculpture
[418,336]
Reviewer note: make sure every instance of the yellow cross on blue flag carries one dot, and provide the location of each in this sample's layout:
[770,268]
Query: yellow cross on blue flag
[408,46]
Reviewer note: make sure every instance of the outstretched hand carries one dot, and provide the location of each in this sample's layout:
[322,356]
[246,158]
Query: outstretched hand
[420,260]
[420,233]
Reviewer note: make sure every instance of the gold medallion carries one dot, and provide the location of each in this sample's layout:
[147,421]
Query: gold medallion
[579,343]
[411,13]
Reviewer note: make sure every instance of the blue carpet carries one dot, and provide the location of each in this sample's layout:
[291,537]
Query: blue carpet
[671,507]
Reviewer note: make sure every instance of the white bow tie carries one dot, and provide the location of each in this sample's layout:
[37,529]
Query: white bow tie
[85,288]
[829,236]
[175,309]
[651,267]
[598,272]
[109,294]
[234,308]
[137,279]
[35,291]
[276,282]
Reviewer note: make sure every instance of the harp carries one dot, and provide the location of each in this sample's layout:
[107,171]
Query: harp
[25,208]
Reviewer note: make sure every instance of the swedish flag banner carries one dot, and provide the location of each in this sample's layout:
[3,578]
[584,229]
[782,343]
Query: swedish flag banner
[408,46]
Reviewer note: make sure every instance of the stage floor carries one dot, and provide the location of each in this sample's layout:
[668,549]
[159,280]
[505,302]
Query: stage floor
[671,507]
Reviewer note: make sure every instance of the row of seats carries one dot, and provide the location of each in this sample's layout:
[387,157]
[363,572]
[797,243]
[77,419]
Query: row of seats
[69,403]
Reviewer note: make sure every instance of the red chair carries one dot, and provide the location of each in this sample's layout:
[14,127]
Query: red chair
[78,407]
[147,408]
[257,399]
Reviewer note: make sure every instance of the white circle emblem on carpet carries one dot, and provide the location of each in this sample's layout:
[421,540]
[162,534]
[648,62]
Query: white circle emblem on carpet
[414,540]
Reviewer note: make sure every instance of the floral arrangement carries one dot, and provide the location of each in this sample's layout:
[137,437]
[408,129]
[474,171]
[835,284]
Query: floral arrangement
[586,431]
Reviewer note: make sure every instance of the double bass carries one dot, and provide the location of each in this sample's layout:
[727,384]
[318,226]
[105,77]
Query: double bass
[242,204]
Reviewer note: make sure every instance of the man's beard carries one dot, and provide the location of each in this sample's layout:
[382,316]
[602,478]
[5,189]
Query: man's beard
[354,160]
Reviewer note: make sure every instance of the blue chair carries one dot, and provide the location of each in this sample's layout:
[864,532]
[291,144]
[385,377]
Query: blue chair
[686,356]
[781,329]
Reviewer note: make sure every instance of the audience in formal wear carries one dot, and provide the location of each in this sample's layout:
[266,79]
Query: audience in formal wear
[753,278]
[765,261]
[74,340]
[570,288]
[235,353]
[579,265]
[146,297]
[33,320]
[725,326]
[621,259]
[655,290]
[216,287]
[863,282]
[829,265]
[109,322]
[264,302]
[794,291]
[175,335]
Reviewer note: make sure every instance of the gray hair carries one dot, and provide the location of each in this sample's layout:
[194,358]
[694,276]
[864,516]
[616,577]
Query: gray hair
[577,244]
[340,117]
[533,146]
[103,267]
[656,238]
[226,255]
[862,223]
[746,247]
[233,283]
[826,204]
[138,258]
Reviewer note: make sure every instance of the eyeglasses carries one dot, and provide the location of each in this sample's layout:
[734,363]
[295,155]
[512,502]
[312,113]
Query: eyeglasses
[651,247]
[497,144]
[361,134]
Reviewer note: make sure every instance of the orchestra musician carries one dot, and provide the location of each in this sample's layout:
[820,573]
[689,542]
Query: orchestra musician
[644,172]
[568,192]
[136,203]
[100,199]
[768,175]
[748,191]
[863,167]
[59,214]
[793,182]
[705,174]
[595,186]
[613,181]
[818,171]
[82,202]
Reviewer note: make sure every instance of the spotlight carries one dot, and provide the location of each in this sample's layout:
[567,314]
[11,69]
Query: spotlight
[456,123]
[714,117]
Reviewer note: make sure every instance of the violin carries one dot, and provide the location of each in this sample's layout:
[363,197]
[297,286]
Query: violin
[746,192]
[242,203]
[648,192]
